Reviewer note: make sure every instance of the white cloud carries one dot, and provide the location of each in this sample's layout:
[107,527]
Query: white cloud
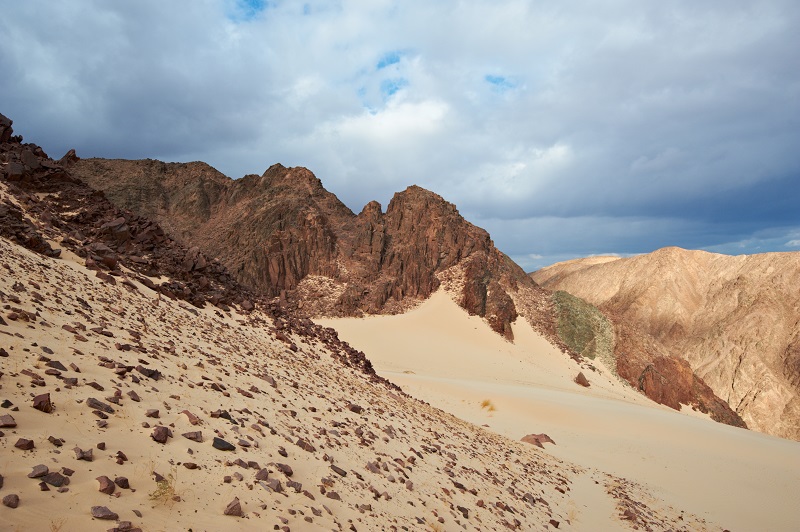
[512,109]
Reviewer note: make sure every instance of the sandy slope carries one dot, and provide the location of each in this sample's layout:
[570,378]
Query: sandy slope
[739,479]
[404,465]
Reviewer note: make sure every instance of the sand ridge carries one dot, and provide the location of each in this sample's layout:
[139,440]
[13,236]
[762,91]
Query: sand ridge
[737,478]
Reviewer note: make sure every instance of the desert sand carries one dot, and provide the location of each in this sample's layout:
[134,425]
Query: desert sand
[735,478]
[146,383]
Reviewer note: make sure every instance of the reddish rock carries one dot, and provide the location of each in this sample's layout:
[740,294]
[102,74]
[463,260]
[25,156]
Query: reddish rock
[222,445]
[303,444]
[122,482]
[24,444]
[11,501]
[42,403]
[106,485]
[194,436]
[193,419]
[151,412]
[160,434]
[39,471]
[6,421]
[234,508]
[581,379]
[86,455]
[55,479]
[538,439]
[102,512]
[285,469]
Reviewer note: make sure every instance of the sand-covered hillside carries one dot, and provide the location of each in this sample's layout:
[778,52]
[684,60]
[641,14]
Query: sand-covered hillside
[733,318]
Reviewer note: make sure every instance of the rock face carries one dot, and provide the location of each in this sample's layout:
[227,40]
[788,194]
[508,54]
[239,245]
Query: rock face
[282,231]
[730,320]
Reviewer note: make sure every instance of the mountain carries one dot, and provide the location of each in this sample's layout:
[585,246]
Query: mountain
[283,233]
[734,319]
[142,385]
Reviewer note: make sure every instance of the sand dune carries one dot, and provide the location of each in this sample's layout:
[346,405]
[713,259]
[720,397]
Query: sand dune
[736,478]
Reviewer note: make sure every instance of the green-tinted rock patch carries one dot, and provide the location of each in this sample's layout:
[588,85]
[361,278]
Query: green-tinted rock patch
[584,328]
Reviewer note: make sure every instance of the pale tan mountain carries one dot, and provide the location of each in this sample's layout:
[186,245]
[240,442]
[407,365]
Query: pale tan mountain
[735,319]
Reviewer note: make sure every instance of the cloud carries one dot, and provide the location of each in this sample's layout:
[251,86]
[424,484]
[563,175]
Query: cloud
[684,115]
[793,244]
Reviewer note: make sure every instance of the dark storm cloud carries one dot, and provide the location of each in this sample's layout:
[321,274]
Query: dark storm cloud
[563,128]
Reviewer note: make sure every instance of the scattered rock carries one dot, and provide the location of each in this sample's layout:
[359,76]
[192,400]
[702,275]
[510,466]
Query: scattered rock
[193,419]
[303,444]
[122,482]
[24,444]
[234,508]
[12,500]
[222,445]
[7,421]
[538,439]
[39,471]
[83,455]
[194,436]
[42,403]
[102,512]
[106,486]
[581,379]
[55,479]
[160,434]
[99,405]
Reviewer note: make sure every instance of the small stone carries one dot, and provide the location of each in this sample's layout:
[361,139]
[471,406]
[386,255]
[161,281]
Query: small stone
[83,455]
[101,446]
[581,379]
[285,469]
[305,445]
[234,508]
[222,445]
[194,436]
[99,405]
[106,486]
[193,419]
[42,403]
[160,434]
[272,484]
[24,444]
[56,479]
[12,500]
[339,471]
[39,471]
[134,396]
[122,482]
[356,409]
[152,412]
[58,442]
[190,465]
[7,421]
[101,512]
[263,474]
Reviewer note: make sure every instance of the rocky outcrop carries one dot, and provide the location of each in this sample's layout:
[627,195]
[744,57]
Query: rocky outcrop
[275,230]
[45,202]
[732,319]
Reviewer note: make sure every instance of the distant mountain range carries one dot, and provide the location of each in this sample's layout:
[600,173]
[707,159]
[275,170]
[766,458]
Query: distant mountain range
[734,320]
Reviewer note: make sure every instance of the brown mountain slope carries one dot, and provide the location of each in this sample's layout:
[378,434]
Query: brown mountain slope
[280,229]
[735,320]
[283,234]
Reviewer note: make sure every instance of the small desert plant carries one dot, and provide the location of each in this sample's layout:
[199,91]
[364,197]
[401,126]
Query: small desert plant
[488,405]
[165,491]
[57,524]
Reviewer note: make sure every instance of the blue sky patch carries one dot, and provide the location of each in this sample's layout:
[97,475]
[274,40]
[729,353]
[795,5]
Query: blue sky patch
[499,83]
[249,9]
[389,59]
[391,86]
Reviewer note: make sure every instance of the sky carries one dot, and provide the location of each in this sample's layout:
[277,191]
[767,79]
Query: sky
[565,129]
